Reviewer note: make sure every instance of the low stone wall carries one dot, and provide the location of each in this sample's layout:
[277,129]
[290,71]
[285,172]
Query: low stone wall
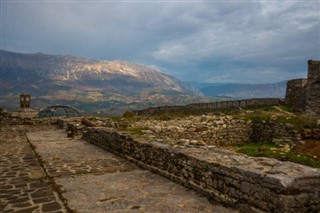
[249,184]
[214,105]
[277,132]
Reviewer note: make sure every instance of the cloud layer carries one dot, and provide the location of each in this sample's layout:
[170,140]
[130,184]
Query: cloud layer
[205,41]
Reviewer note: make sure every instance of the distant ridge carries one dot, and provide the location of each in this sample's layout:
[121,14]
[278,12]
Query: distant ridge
[90,85]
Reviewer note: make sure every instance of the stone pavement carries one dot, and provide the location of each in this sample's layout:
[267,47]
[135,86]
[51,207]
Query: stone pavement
[84,177]
[24,187]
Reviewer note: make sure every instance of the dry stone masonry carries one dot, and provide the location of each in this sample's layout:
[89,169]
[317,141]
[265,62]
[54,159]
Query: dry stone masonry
[313,88]
[207,130]
[249,184]
[217,130]
[304,94]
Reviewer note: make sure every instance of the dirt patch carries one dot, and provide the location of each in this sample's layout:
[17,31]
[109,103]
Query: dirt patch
[310,148]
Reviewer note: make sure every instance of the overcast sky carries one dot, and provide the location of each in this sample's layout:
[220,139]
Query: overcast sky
[204,41]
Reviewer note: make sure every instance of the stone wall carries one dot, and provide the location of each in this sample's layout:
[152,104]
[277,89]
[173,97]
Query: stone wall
[218,130]
[311,133]
[210,130]
[214,105]
[296,93]
[303,95]
[313,89]
[276,132]
[248,184]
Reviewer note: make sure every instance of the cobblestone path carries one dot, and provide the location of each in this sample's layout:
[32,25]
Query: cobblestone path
[85,177]
[24,187]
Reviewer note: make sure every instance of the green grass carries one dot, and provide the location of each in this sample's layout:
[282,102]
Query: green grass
[138,131]
[254,117]
[299,122]
[286,108]
[260,149]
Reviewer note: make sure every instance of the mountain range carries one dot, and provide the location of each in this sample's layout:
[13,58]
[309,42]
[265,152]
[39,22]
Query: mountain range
[110,87]
[89,85]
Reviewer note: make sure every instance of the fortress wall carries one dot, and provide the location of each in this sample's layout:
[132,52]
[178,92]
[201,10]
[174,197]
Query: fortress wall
[313,89]
[248,184]
[214,105]
[303,95]
[296,93]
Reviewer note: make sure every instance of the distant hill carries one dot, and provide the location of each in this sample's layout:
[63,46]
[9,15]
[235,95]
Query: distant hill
[243,91]
[90,85]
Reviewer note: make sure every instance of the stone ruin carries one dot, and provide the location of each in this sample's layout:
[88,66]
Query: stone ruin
[303,95]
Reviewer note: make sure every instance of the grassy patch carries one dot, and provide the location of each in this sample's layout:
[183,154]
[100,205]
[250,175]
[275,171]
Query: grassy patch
[257,117]
[299,122]
[138,131]
[286,108]
[270,150]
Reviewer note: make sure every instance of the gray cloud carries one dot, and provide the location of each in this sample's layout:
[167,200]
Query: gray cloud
[238,41]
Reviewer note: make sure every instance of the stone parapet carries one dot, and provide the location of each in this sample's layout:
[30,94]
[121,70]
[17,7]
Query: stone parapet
[249,184]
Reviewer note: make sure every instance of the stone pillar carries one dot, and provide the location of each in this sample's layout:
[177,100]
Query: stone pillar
[313,90]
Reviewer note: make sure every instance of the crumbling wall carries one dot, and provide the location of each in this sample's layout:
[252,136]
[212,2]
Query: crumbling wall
[218,130]
[206,130]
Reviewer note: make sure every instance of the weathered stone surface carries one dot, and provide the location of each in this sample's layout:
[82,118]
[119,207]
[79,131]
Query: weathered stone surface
[258,184]
[24,187]
[272,131]
[296,93]
[93,180]
[313,89]
[303,95]
[217,130]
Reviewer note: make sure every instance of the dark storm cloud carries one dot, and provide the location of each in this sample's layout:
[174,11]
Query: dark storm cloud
[238,41]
